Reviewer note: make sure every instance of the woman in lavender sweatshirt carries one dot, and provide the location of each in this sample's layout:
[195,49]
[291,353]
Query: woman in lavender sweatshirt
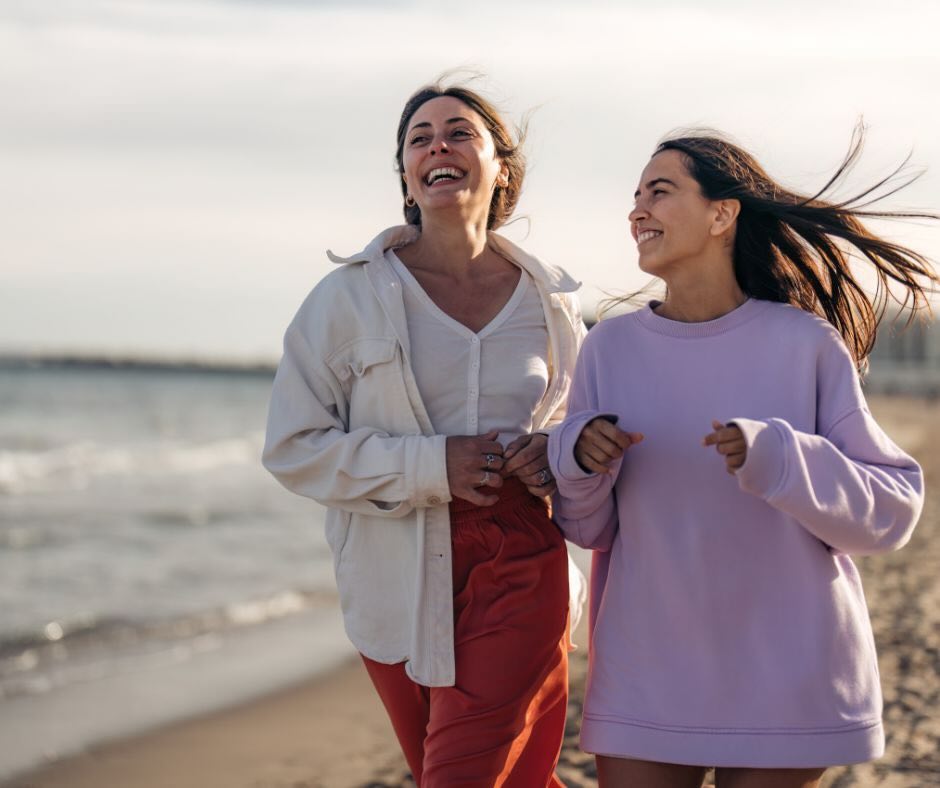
[729,627]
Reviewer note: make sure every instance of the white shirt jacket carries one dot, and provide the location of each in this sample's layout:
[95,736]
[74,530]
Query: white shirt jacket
[347,427]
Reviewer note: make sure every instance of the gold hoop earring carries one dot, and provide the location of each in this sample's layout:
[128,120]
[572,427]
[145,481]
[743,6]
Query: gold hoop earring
[410,201]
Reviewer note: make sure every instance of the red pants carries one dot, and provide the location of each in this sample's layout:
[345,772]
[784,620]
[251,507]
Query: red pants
[502,723]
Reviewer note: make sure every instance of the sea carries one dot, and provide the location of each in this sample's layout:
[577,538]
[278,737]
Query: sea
[142,544]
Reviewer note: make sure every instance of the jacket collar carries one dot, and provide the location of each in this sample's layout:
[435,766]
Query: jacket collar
[554,280]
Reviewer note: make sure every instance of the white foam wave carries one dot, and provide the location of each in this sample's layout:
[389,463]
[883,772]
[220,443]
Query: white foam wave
[260,610]
[75,466]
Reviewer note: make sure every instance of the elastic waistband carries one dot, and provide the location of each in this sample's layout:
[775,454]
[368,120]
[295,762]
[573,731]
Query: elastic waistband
[512,494]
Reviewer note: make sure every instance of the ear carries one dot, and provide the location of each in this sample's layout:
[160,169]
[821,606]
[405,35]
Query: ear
[502,180]
[726,214]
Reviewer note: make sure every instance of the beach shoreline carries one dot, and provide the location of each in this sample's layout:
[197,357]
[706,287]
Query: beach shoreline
[330,731]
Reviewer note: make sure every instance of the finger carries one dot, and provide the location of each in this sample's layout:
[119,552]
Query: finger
[601,443]
[736,460]
[529,455]
[713,437]
[524,457]
[597,465]
[721,432]
[726,434]
[534,477]
[610,431]
[591,464]
[544,491]
[635,437]
[488,479]
[732,447]
[490,447]
[495,464]
[519,443]
[531,469]
[599,455]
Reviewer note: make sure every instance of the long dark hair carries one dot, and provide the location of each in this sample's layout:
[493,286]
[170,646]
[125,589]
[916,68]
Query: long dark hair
[508,150]
[796,249]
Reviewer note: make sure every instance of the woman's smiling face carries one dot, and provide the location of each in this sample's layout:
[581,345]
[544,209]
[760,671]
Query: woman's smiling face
[672,220]
[449,157]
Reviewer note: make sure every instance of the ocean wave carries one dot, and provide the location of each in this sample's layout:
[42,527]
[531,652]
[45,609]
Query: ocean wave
[75,466]
[66,650]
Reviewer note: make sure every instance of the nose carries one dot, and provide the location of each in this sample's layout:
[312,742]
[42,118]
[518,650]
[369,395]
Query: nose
[439,146]
[638,213]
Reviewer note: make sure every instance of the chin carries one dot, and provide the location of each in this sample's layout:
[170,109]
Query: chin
[647,264]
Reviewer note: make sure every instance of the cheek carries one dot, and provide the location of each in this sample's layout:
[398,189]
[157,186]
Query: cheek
[689,228]
[409,166]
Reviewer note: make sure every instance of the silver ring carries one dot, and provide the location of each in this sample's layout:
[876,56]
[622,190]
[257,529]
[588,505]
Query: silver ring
[490,459]
[544,476]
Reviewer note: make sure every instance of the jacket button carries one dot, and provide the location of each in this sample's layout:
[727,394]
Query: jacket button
[434,500]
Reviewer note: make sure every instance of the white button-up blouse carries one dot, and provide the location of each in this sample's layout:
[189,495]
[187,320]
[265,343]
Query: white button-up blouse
[473,382]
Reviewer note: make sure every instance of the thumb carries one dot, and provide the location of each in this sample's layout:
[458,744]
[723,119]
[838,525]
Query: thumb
[490,436]
[717,425]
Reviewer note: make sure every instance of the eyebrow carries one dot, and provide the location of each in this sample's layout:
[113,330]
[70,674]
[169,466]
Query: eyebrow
[652,183]
[428,125]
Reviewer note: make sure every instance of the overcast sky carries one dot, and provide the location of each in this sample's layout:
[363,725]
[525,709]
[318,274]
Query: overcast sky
[171,171]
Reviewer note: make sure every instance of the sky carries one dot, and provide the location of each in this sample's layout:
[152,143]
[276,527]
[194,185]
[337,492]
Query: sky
[172,171]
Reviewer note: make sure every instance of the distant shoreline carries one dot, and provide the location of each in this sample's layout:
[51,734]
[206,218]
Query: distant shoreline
[887,376]
[120,363]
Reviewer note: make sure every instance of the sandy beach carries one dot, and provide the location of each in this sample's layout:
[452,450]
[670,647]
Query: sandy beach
[331,732]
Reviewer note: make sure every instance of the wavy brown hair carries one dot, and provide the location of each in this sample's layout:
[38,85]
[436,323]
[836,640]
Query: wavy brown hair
[795,249]
[508,149]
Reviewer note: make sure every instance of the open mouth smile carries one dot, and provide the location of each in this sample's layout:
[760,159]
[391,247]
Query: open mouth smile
[646,235]
[443,175]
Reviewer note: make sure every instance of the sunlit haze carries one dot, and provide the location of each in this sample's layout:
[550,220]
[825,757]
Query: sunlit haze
[171,173]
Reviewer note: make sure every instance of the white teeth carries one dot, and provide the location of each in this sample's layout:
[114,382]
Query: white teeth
[645,235]
[442,172]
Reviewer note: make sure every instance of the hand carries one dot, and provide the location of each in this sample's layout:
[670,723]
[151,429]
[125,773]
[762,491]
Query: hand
[527,459]
[601,443]
[474,461]
[729,441]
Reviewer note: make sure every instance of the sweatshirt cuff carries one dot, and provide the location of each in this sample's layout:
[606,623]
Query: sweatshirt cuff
[428,466]
[561,443]
[765,465]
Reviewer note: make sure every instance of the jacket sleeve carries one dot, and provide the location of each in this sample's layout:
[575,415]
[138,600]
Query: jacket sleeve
[848,484]
[572,308]
[309,450]
[584,506]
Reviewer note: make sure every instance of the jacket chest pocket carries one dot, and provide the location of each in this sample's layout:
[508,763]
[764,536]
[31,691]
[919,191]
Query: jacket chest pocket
[370,371]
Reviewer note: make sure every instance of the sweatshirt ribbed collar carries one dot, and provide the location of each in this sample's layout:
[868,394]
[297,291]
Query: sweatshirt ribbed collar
[709,328]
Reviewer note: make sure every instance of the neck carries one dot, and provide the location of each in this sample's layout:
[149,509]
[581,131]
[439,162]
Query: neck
[701,293]
[449,244]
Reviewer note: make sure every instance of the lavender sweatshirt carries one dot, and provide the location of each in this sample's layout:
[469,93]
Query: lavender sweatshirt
[728,623]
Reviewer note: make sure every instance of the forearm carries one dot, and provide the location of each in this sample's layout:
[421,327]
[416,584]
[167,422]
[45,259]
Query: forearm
[854,489]
[363,471]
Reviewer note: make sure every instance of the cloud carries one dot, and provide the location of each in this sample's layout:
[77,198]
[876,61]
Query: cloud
[226,144]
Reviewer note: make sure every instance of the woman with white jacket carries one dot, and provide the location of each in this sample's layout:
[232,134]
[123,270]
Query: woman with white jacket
[417,383]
